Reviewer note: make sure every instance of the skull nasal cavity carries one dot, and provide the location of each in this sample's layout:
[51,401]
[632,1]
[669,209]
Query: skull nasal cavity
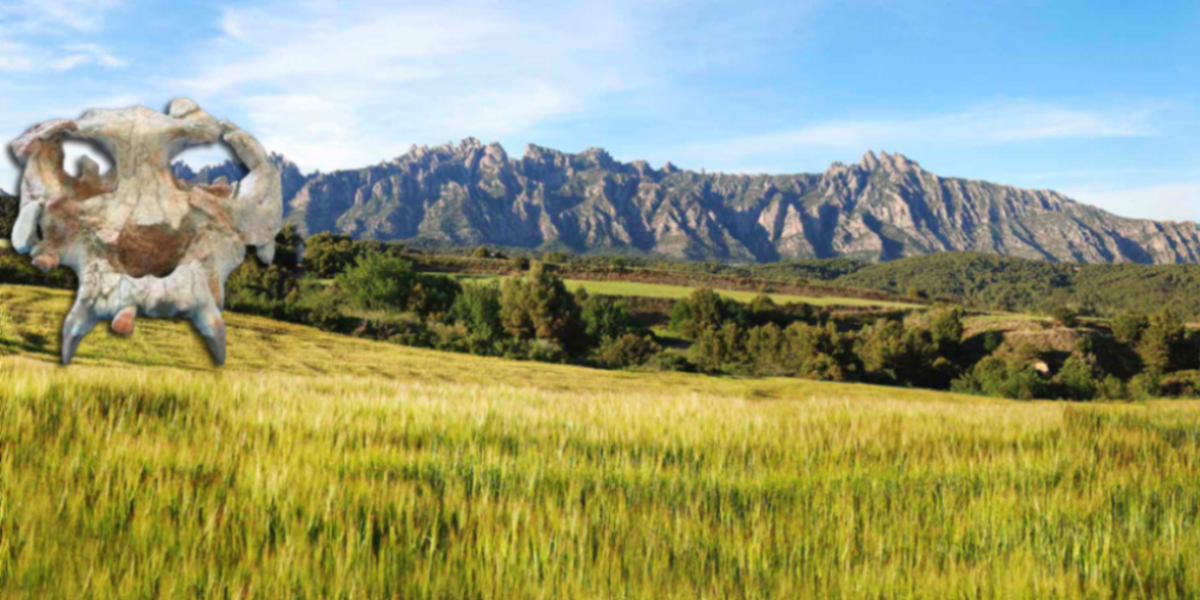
[153,250]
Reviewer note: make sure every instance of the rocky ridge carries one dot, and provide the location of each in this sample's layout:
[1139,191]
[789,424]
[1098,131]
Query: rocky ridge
[882,208]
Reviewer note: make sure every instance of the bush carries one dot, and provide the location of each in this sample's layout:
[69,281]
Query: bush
[1112,388]
[379,282]
[539,307]
[477,309]
[433,295]
[671,362]
[1127,327]
[705,309]
[607,319]
[947,331]
[1163,343]
[327,255]
[1181,384]
[999,378]
[1065,316]
[1078,378]
[287,247]
[628,350]
[519,263]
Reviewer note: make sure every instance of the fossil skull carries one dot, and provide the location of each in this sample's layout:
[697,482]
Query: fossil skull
[141,241]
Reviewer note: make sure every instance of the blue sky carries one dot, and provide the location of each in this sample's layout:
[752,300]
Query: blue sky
[1100,100]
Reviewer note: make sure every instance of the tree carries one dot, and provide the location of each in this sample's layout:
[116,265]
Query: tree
[1065,316]
[538,306]
[716,348]
[478,309]
[704,309]
[765,350]
[480,252]
[1079,377]
[287,247]
[947,331]
[619,263]
[9,207]
[379,282]
[519,263]
[1127,327]
[1163,343]
[433,294]
[326,255]
[627,350]
[605,318]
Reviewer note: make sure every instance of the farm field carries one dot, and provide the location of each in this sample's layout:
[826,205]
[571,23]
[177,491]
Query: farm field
[652,290]
[322,466]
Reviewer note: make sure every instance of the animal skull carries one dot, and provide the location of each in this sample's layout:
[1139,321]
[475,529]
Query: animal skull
[140,240]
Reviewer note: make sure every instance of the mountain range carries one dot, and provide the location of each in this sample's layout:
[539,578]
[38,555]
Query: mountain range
[882,208]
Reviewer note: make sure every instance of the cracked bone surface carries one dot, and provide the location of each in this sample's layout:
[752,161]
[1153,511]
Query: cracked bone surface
[142,242]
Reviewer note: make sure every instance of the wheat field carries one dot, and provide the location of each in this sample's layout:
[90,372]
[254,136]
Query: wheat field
[319,466]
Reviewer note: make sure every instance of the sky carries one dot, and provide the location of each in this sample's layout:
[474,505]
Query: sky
[1099,100]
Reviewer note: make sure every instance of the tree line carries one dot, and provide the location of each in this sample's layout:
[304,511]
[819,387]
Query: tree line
[371,289]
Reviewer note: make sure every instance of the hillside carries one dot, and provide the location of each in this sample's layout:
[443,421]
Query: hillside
[883,208]
[1027,285]
[320,466]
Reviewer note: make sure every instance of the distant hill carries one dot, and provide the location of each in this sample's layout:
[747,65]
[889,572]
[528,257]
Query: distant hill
[1035,286]
[883,208]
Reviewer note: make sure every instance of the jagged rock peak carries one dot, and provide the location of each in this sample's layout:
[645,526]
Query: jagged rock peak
[869,161]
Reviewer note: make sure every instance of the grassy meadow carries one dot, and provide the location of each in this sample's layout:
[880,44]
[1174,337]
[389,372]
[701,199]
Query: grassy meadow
[321,466]
[674,292]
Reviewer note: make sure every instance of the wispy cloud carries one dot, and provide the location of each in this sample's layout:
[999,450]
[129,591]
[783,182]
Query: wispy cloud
[42,16]
[339,88]
[996,124]
[1171,201]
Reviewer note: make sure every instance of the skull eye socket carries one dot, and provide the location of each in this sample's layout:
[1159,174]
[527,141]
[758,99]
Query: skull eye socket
[74,151]
[205,163]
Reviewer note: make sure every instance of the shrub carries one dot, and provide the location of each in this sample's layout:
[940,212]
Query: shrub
[539,307]
[704,309]
[1163,343]
[1112,388]
[1078,378]
[433,295]
[670,361]
[716,348]
[519,263]
[627,350]
[1065,316]
[947,331]
[1181,384]
[379,282]
[287,247]
[477,309]
[994,376]
[607,319]
[327,255]
[1127,327]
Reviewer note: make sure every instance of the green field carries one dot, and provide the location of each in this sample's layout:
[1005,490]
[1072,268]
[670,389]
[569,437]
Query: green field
[655,290]
[321,466]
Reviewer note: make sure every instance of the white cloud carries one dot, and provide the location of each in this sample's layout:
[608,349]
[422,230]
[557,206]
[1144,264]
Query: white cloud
[1170,201]
[83,54]
[334,86]
[996,124]
[41,16]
